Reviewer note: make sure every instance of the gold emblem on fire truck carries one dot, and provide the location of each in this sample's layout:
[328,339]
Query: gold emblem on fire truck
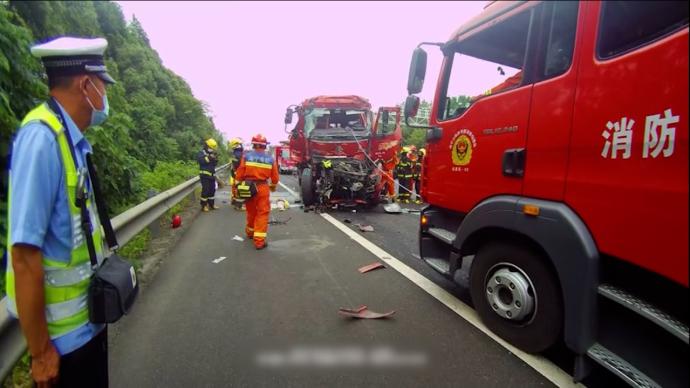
[462,146]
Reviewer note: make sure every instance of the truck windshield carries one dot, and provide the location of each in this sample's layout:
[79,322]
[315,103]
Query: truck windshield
[322,122]
[486,63]
[491,61]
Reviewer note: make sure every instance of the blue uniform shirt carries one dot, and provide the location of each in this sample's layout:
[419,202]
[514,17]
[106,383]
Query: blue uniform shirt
[40,213]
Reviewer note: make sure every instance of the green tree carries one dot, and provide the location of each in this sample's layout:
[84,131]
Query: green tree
[156,125]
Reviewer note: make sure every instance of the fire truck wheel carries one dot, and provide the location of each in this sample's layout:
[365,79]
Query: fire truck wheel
[307,187]
[517,296]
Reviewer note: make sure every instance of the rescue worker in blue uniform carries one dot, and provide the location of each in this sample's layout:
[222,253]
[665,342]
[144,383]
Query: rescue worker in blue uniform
[48,268]
[208,159]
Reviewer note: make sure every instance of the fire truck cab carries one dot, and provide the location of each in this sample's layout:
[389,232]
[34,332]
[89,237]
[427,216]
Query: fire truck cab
[557,179]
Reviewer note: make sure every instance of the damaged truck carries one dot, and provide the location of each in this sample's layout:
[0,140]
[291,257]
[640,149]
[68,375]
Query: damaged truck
[340,148]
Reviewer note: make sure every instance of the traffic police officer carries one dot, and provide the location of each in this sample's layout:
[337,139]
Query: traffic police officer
[49,269]
[256,168]
[208,158]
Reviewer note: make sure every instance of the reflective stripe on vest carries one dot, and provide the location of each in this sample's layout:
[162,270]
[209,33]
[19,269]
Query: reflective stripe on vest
[66,284]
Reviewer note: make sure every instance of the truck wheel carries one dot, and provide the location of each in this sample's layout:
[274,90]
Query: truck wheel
[517,296]
[307,187]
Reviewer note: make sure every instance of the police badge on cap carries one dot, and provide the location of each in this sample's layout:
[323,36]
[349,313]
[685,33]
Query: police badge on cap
[68,56]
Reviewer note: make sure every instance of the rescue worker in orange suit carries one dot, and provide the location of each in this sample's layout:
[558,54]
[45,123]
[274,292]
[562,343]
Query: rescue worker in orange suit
[257,167]
[403,172]
[208,159]
[417,175]
[389,169]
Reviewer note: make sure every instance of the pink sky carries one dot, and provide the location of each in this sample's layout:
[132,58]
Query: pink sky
[250,60]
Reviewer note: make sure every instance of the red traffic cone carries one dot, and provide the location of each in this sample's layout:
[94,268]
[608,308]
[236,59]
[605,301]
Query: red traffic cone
[176,221]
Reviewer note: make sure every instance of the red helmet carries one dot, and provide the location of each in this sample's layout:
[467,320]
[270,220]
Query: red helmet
[259,140]
[176,221]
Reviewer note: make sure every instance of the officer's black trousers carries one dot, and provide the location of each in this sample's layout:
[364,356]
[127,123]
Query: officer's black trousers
[208,190]
[87,366]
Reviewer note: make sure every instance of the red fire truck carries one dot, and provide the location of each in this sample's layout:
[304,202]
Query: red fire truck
[284,159]
[557,179]
[340,147]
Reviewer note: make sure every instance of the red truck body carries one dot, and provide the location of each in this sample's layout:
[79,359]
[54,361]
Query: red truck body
[284,157]
[587,161]
[337,144]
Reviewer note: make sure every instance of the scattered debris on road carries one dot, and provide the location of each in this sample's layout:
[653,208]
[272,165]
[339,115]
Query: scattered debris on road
[347,221]
[371,267]
[411,210]
[363,312]
[392,208]
[279,222]
[365,228]
[238,238]
[218,260]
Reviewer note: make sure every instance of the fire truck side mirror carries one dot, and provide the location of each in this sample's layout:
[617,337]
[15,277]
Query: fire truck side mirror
[411,106]
[288,116]
[433,134]
[415,79]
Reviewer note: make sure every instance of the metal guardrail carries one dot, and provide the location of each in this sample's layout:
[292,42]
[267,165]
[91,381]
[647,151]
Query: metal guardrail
[126,226]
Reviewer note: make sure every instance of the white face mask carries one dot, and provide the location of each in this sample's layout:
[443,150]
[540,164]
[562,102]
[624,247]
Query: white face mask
[98,116]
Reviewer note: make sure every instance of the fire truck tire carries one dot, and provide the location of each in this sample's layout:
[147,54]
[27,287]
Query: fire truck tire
[307,187]
[517,296]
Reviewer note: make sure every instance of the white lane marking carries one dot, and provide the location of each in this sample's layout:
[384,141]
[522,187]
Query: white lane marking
[545,367]
[218,260]
[289,190]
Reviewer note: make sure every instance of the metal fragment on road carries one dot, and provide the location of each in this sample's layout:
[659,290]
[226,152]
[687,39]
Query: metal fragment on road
[238,238]
[347,221]
[218,260]
[279,222]
[371,267]
[393,208]
[363,312]
[365,228]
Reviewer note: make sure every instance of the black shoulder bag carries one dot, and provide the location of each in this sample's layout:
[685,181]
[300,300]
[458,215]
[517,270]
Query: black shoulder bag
[114,287]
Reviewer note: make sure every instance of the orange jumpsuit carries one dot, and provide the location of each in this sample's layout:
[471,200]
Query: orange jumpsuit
[258,166]
[389,166]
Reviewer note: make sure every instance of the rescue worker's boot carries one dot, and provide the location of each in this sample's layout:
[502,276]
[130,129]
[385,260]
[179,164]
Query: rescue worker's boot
[204,208]
[418,201]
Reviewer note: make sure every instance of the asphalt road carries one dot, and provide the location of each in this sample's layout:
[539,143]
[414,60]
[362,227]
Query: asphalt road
[220,313]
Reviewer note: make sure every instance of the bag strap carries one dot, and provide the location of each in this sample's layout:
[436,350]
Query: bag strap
[101,206]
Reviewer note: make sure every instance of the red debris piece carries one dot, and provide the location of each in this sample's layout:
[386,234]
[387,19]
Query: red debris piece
[371,267]
[363,312]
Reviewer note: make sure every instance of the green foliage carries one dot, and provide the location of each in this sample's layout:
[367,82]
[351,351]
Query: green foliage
[20,376]
[414,136]
[167,175]
[156,126]
[136,247]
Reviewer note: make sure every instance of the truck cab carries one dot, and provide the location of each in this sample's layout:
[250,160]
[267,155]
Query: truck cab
[557,179]
[338,146]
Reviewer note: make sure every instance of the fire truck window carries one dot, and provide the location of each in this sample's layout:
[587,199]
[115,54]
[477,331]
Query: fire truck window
[387,129]
[560,38]
[285,154]
[626,25]
[486,63]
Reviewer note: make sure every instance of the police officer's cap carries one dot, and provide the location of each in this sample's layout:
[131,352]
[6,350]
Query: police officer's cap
[67,56]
